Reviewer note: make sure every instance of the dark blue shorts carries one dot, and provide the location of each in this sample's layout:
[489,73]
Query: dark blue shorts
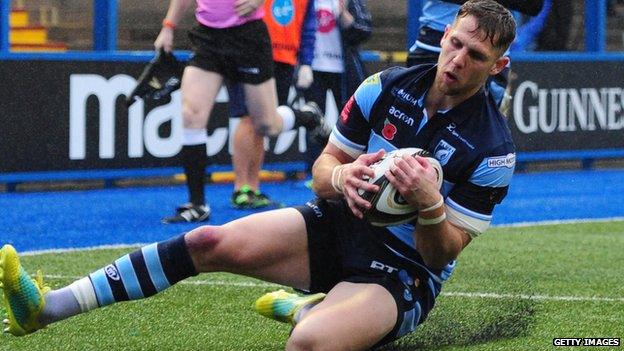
[343,248]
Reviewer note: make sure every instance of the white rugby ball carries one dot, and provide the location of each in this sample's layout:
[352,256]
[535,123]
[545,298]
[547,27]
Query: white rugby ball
[388,206]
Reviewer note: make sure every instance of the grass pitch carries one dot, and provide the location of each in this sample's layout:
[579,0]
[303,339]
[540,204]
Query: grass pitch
[513,289]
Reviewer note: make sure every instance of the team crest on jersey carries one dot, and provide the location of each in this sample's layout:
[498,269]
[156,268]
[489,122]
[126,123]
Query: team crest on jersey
[389,130]
[443,152]
[283,11]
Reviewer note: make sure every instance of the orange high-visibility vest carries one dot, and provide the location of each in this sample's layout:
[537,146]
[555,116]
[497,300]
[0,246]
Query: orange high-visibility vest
[284,18]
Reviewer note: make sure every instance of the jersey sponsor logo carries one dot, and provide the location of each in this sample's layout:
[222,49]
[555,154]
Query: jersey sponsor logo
[443,152]
[326,21]
[346,110]
[502,161]
[451,128]
[389,130]
[382,267]
[402,116]
[374,79]
[249,70]
[315,208]
[111,272]
[283,11]
[403,95]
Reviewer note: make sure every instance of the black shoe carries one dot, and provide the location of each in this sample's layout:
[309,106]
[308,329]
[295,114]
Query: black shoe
[189,213]
[314,121]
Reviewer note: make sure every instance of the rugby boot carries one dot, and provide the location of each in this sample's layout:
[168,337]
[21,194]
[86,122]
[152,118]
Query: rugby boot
[23,296]
[283,306]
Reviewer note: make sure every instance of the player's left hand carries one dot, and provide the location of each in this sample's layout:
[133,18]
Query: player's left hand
[246,7]
[415,179]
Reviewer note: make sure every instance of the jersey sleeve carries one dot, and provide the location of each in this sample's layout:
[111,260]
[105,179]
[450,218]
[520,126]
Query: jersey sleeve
[470,204]
[352,129]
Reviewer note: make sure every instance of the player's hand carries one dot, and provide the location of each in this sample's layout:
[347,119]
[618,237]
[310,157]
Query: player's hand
[305,77]
[164,40]
[246,7]
[415,179]
[353,177]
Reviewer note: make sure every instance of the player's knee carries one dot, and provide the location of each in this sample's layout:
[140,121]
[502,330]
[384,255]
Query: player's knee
[192,116]
[204,246]
[216,248]
[304,339]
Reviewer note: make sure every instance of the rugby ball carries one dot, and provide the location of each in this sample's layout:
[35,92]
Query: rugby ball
[388,206]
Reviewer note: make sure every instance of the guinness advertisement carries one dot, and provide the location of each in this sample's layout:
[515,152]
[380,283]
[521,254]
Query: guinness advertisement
[567,105]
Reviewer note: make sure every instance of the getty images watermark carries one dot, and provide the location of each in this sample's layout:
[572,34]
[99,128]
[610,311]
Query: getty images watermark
[586,342]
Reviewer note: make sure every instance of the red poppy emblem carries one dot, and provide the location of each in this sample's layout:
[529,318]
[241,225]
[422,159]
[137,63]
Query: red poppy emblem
[389,130]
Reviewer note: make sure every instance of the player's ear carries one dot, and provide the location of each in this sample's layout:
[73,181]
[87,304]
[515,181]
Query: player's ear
[499,65]
[447,30]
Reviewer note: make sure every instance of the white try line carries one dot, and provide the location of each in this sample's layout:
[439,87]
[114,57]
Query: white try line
[511,225]
[560,221]
[473,295]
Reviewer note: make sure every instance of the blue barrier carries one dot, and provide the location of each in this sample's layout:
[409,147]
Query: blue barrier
[367,55]
[109,176]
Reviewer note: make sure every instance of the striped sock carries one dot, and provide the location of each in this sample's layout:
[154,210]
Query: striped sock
[137,275]
[144,272]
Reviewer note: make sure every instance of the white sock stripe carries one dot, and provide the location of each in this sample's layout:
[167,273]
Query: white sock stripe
[85,294]
[195,136]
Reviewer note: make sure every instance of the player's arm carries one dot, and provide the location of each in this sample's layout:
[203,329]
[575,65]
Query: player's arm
[343,163]
[337,174]
[437,240]
[444,229]
[174,15]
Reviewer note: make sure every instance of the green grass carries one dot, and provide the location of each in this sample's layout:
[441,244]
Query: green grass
[530,268]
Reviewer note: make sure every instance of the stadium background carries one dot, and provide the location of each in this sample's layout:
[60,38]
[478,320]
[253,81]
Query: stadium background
[67,66]
[78,170]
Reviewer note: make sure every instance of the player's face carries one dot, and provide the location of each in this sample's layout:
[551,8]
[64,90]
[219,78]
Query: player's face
[467,59]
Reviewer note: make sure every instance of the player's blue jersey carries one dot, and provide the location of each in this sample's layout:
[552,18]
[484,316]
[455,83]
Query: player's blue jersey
[471,140]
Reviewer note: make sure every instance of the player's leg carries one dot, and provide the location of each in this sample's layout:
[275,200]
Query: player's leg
[351,317]
[248,150]
[270,245]
[248,146]
[247,157]
[199,91]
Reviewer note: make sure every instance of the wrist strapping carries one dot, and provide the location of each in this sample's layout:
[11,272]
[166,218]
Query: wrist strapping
[335,178]
[431,221]
[435,206]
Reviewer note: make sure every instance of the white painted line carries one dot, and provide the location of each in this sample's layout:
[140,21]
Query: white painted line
[511,225]
[560,221]
[477,295]
[533,297]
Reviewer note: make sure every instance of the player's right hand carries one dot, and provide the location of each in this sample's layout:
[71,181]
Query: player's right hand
[354,177]
[164,40]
